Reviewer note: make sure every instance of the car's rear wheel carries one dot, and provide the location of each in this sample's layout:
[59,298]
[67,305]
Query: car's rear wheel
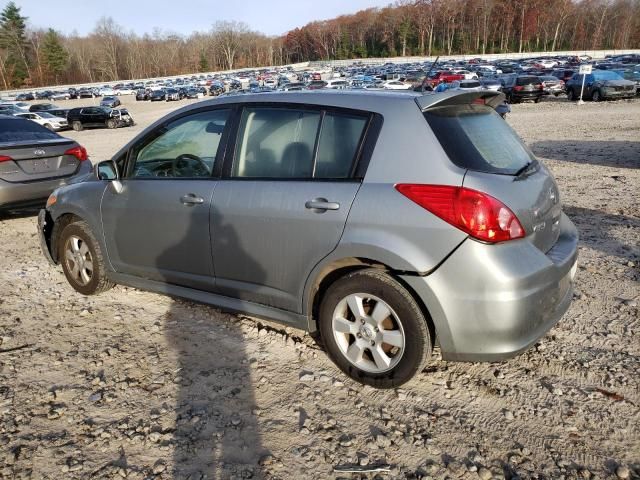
[596,96]
[571,95]
[77,126]
[82,260]
[374,330]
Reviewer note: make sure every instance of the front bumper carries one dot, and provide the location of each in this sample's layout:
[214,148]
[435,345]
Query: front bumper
[35,192]
[492,302]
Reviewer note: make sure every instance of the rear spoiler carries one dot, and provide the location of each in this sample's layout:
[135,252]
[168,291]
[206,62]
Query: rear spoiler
[442,99]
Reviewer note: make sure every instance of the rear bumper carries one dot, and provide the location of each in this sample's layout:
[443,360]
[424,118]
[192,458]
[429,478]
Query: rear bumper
[492,302]
[13,195]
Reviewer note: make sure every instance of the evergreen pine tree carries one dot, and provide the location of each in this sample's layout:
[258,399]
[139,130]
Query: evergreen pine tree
[13,41]
[55,55]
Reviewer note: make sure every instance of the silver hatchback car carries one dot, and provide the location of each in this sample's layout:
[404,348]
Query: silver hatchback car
[382,222]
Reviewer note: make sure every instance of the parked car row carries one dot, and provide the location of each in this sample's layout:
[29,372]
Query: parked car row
[55,118]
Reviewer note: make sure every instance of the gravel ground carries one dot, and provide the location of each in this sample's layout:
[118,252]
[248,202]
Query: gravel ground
[135,385]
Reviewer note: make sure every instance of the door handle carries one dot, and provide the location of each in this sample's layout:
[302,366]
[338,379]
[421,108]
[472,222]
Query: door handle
[320,205]
[191,199]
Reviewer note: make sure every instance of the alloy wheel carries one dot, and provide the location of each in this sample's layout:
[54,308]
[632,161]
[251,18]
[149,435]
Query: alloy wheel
[78,259]
[368,332]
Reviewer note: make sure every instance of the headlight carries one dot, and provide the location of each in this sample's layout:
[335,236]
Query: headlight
[51,200]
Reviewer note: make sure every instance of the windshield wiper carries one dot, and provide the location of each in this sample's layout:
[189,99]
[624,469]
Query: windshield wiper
[527,169]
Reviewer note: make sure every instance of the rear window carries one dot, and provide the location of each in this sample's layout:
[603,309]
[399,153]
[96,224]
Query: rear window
[18,130]
[527,81]
[476,138]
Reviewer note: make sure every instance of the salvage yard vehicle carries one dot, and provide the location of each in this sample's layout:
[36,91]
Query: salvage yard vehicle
[80,118]
[518,88]
[600,85]
[110,101]
[382,223]
[35,161]
[46,119]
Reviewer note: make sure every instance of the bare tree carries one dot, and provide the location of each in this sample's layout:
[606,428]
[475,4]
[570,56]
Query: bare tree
[227,37]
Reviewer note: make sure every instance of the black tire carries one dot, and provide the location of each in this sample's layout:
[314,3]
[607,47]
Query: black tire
[111,124]
[98,282]
[417,339]
[571,95]
[77,126]
[596,96]
[537,100]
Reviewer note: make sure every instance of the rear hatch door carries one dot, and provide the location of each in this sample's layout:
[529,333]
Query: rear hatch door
[498,163]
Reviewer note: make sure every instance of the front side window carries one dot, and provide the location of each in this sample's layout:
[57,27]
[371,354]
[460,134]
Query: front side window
[185,148]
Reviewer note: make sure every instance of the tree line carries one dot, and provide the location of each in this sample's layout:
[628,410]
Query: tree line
[37,57]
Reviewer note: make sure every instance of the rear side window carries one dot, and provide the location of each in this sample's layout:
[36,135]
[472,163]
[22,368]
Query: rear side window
[340,139]
[297,143]
[276,143]
[476,138]
[19,130]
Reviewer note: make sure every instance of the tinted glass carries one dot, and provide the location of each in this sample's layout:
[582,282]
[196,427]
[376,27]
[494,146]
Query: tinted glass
[186,148]
[18,130]
[527,80]
[476,138]
[339,142]
[276,143]
[606,75]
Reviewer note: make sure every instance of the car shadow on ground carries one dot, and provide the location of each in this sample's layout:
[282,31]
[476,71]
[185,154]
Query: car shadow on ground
[16,213]
[217,434]
[617,154]
[597,231]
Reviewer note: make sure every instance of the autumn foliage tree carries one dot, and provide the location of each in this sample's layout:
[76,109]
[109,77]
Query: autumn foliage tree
[33,56]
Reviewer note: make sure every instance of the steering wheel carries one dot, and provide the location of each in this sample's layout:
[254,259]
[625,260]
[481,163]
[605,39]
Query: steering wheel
[193,165]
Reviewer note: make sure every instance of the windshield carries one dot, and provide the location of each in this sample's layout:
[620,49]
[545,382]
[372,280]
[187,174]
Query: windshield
[606,75]
[476,138]
[46,115]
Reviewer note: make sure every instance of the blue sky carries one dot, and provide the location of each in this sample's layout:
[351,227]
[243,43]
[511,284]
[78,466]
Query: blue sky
[272,17]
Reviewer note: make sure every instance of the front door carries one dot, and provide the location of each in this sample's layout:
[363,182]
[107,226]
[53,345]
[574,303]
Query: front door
[283,204]
[157,227]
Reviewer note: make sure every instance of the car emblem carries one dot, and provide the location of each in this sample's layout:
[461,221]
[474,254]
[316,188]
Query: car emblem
[39,152]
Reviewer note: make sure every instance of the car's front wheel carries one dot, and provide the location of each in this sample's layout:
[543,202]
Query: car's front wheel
[111,123]
[82,260]
[77,126]
[571,95]
[374,330]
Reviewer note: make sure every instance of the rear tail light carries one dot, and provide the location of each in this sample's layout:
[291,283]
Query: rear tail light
[478,214]
[79,152]
[4,158]
[518,88]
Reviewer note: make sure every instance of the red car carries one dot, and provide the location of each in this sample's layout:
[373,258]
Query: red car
[443,77]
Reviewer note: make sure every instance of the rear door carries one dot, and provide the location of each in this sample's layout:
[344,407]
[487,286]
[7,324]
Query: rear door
[29,152]
[284,199]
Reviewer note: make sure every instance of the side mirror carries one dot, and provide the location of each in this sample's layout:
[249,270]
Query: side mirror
[108,170]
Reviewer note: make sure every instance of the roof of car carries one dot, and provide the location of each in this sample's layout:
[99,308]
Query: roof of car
[355,99]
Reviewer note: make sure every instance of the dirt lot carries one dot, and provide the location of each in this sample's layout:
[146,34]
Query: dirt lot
[136,385]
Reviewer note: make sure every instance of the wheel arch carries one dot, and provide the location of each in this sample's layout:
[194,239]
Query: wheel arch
[338,268]
[54,233]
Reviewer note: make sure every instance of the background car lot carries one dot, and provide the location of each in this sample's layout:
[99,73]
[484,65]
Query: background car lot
[136,382]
